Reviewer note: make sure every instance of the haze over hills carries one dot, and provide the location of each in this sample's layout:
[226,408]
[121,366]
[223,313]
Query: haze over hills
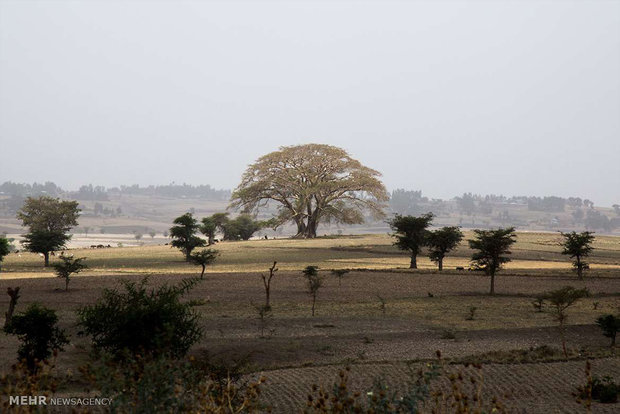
[136,209]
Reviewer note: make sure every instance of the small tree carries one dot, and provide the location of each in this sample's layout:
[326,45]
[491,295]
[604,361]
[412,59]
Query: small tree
[69,266]
[37,329]
[314,282]
[339,273]
[610,326]
[410,234]
[204,258]
[560,300]
[492,246]
[152,233]
[267,283]
[184,234]
[578,246]
[138,236]
[5,249]
[442,241]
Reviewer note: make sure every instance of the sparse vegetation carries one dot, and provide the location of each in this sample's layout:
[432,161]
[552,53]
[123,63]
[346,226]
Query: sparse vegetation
[267,284]
[339,273]
[472,313]
[560,300]
[314,282]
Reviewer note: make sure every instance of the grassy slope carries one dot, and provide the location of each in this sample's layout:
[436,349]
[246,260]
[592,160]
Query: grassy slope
[532,252]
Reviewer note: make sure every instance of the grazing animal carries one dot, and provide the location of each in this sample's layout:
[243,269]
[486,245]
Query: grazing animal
[430,295]
[460,268]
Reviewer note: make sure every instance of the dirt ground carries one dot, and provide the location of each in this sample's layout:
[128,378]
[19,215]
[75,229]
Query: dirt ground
[424,312]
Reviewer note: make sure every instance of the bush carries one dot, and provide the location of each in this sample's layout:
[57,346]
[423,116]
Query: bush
[163,385]
[610,326]
[142,321]
[36,329]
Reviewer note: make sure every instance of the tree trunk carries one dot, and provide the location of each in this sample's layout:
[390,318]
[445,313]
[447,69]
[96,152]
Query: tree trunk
[440,263]
[492,283]
[579,268]
[202,274]
[14,295]
[563,338]
[313,302]
[46,257]
[66,283]
[267,305]
[414,261]
[211,239]
[301,228]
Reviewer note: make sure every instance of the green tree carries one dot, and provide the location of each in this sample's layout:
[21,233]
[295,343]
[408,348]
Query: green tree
[212,224]
[410,233]
[203,258]
[442,241]
[184,234]
[37,329]
[492,246]
[314,282]
[560,300]
[68,266]
[610,326]
[311,184]
[578,246]
[5,248]
[49,220]
[241,228]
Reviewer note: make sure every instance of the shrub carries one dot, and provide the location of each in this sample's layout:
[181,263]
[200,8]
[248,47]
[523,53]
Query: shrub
[162,385]
[610,326]
[314,282]
[139,320]
[37,330]
[604,389]
[21,380]
[380,399]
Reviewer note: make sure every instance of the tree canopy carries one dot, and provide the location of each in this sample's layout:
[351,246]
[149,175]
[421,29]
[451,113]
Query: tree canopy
[492,246]
[184,234]
[49,220]
[442,241]
[410,233]
[578,246]
[311,184]
[5,248]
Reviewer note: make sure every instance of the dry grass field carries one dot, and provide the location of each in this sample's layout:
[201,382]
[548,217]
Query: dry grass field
[423,311]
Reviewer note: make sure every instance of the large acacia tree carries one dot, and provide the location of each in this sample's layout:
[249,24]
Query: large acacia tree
[311,184]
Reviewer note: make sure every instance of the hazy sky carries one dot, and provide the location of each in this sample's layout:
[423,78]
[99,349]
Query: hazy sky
[512,97]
